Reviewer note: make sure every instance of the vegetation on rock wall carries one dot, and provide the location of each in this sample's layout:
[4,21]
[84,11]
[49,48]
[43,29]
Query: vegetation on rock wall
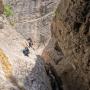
[8,10]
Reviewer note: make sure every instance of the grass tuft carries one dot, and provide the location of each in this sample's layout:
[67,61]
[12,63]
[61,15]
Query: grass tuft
[8,10]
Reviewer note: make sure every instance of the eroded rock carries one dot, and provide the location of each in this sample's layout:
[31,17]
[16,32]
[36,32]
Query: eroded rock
[71,29]
[1,7]
[17,71]
[32,19]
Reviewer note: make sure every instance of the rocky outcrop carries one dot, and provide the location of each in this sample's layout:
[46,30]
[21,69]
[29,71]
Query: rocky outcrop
[66,51]
[71,29]
[32,19]
[18,71]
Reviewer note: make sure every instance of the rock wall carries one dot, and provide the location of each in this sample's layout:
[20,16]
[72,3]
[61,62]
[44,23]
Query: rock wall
[32,19]
[71,29]
[1,7]
[18,71]
[66,51]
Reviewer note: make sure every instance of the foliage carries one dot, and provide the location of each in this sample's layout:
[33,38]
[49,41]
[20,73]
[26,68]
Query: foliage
[8,10]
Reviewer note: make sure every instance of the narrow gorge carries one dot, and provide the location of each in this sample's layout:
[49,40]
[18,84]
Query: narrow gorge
[44,45]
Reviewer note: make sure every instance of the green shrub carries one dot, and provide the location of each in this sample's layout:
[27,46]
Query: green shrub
[8,10]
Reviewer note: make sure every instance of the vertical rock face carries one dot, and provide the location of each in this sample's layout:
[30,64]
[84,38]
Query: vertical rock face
[21,69]
[1,7]
[17,71]
[71,29]
[33,19]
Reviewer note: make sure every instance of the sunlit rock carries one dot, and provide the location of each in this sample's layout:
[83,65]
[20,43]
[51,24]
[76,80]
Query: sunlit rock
[17,71]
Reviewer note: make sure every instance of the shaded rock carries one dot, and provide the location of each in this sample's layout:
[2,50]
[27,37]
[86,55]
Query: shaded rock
[71,29]
[32,19]
[55,81]
[51,53]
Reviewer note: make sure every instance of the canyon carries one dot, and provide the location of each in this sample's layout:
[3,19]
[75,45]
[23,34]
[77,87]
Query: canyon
[45,45]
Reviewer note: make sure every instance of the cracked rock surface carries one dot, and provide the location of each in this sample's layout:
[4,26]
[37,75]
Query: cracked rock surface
[71,29]
[17,71]
[32,19]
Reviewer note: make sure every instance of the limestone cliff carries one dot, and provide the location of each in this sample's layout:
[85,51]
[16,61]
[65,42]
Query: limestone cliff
[20,66]
[71,29]
[18,71]
[32,19]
